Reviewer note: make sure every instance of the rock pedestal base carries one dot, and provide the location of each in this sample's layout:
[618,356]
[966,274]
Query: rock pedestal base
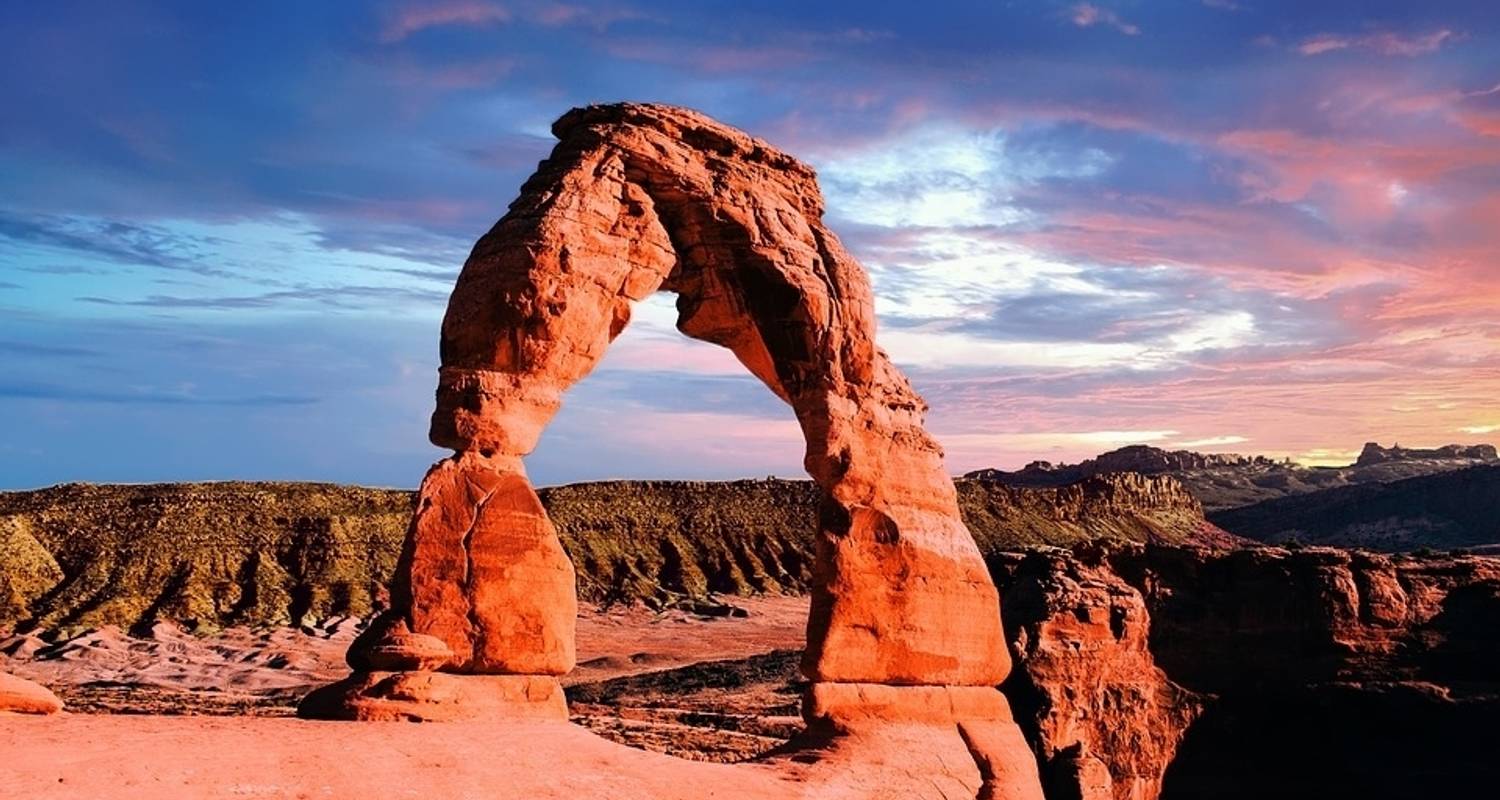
[437,697]
[901,731]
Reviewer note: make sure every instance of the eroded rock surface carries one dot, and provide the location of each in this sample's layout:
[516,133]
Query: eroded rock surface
[1104,719]
[217,555]
[639,198]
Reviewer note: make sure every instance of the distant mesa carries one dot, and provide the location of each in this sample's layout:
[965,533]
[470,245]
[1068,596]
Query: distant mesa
[1140,458]
[1375,454]
[1226,481]
[1149,460]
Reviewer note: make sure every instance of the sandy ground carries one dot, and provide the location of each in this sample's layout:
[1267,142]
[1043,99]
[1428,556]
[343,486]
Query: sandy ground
[172,715]
[92,756]
[264,672]
[709,688]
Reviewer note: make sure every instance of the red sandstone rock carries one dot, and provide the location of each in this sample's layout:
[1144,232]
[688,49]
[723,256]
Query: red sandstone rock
[1269,615]
[637,198]
[485,573]
[1342,673]
[972,722]
[1105,720]
[438,697]
[20,696]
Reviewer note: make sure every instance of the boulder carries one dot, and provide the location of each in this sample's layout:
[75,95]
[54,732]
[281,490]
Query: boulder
[20,696]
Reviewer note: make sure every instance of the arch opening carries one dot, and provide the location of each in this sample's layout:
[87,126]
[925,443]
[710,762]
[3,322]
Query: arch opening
[904,622]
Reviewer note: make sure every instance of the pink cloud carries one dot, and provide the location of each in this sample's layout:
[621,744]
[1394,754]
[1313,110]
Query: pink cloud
[1087,15]
[413,19]
[1389,44]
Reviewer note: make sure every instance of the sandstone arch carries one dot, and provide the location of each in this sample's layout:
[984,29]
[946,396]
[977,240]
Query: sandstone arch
[636,199]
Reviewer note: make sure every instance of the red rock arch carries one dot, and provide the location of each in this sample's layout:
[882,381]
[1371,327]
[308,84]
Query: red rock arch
[636,199]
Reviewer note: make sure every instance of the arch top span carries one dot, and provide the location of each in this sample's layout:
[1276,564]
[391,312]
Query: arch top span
[637,198]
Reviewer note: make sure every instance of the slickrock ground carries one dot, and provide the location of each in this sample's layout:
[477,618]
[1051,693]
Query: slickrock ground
[81,756]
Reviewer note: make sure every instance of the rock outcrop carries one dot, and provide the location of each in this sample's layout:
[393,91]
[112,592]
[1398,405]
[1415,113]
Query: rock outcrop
[1373,453]
[1222,482]
[20,696]
[1104,719]
[1140,458]
[641,198]
[1146,672]
[207,555]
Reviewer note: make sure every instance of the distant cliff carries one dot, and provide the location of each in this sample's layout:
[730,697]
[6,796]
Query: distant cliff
[216,554]
[1140,458]
[1443,511]
[1231,481]
[1375,454]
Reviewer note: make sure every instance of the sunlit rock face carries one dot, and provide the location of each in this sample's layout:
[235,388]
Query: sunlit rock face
[1104,719]
[641,198]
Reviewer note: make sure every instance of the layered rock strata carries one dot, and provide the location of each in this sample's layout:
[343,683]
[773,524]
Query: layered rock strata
[1333,673]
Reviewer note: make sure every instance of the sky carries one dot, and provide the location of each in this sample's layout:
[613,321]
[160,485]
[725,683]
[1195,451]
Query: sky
[228,231]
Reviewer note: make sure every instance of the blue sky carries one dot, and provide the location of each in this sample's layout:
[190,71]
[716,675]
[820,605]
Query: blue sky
[228,231]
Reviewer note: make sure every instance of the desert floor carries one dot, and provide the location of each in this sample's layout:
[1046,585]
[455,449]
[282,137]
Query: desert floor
[716,686]
[167,714]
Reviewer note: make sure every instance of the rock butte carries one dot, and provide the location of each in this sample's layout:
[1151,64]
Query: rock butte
[904,628]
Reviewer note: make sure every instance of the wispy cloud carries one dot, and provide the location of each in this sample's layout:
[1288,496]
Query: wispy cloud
[1386,43]
[345,297]
[1087,15]
[1069,235]
[118,241]
[42,350]
[419,17]
[1211,441]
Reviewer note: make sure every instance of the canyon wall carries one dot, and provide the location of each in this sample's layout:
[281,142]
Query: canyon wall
[1335,673]
[216,554]
[1172,672]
